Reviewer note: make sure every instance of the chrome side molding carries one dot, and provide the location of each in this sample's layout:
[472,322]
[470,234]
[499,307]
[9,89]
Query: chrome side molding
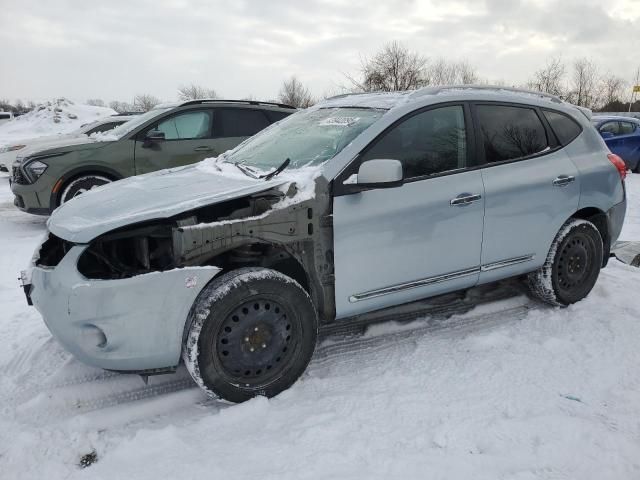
[439,279]
[507,263]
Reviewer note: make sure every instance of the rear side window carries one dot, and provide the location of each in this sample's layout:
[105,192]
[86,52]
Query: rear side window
[564,127]
[627,128]
[276,116]
[240,122]
[509,133]
[427,143]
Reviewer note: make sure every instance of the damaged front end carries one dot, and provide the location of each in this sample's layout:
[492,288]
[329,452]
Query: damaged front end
[269,229]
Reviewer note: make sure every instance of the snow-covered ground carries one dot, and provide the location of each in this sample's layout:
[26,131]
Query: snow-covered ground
[510,390]
[51,118]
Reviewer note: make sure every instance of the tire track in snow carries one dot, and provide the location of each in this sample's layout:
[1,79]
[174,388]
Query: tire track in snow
[91,392]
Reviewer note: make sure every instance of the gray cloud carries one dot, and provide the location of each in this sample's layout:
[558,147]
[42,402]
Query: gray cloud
[116,49]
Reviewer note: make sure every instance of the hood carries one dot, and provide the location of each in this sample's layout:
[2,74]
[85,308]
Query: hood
[153,196]
[63,144]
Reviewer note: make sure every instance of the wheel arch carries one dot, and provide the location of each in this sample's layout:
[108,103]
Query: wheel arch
[600,220]
[63,181]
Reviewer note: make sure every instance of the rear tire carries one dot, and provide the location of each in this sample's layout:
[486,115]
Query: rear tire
[572,265]
[252,331]
[82,184]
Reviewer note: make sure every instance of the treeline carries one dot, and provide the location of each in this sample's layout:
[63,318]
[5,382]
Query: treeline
[395,67]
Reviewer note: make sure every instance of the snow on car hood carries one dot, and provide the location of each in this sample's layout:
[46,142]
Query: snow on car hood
[153,196]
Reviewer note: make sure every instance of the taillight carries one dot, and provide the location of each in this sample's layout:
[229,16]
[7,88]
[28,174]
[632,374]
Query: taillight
[619,164]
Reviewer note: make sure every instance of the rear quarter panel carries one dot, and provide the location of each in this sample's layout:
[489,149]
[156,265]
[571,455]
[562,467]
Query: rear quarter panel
[601,187]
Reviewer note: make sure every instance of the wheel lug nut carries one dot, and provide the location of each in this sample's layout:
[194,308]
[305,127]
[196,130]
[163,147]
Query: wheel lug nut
[252,349]
[264,345]
[246,339]
[255,329]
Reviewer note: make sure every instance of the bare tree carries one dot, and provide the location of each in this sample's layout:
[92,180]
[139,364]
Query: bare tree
[394,68]
[96,102]
[121,107]
[611,88]
[294,93]
[467,73]
[145,102]
[584,83]
[550,78]
[445,72]
[195,92]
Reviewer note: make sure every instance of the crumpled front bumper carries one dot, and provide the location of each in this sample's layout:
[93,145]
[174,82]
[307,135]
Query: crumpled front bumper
[129,324]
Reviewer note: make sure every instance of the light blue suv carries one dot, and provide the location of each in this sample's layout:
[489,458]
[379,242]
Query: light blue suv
[359,204]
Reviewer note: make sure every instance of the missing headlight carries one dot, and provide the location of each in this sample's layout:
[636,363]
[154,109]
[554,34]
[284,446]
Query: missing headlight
[53,251]
[128,253]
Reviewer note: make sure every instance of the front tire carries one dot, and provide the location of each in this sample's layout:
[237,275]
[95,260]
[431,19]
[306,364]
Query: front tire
[252,331]
[82,184]
[572,266]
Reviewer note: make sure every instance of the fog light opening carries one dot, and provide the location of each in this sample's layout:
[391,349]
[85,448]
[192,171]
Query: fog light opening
[93,337]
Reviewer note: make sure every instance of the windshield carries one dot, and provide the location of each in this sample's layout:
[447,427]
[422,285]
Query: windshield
[307,138]
[131,125]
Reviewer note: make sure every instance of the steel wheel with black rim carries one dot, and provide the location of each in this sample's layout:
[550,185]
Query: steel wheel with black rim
[80,185]
[572,266]
[251,332]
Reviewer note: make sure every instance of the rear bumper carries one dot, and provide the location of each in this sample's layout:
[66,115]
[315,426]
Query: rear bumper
[130,324]
[615,219]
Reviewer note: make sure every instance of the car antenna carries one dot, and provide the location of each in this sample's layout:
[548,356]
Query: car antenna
[284,165]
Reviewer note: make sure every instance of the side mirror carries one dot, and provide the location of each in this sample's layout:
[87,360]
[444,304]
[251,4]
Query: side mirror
[383,173]
[152,137]
[607,135]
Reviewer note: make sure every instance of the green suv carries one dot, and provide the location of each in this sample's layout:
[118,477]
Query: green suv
[170,135]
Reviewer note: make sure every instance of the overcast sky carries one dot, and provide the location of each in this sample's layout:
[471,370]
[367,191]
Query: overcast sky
[116,48]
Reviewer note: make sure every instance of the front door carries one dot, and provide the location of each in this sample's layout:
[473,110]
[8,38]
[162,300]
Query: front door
[188,139]
[395,245]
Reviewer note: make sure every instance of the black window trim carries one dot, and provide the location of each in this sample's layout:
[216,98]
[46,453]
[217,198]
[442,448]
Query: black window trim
[552,141]
[339,188]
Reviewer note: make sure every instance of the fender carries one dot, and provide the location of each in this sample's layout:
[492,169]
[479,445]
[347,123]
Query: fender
[84,169]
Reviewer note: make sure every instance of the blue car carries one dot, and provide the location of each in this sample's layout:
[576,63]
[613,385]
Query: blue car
[622,136]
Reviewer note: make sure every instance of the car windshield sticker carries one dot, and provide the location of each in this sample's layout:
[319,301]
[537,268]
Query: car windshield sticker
[339,121]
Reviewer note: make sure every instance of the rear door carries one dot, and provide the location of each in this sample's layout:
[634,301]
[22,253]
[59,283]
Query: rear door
[188,139]
[531,188]
[628,142]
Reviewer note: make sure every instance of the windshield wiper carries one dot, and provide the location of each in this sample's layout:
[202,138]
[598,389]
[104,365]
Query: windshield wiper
[248,172]
[284,165]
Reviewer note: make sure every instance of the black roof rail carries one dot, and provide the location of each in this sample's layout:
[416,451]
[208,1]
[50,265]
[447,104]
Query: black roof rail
[248,102]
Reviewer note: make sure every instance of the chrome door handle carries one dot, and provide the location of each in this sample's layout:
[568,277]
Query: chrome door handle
[203,149]
[563,180]
[465,199]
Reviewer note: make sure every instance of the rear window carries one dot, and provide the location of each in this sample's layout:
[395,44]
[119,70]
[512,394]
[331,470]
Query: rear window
[240,122]
[510,133]
[565,128]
